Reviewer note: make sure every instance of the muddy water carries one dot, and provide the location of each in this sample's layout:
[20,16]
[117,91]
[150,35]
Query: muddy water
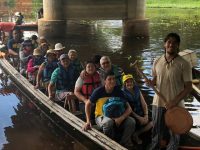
[23,127]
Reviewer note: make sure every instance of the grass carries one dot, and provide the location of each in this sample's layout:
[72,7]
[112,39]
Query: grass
[173,3]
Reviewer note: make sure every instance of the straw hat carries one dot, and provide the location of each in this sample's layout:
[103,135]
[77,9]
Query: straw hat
[36,52]
[126,77]
[50,51]
[59,46]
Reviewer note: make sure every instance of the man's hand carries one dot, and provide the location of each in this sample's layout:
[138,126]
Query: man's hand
[87,126]
[143,120]
[119,120]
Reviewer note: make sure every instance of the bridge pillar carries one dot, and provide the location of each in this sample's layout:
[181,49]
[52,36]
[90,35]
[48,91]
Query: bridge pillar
[135,24]
[53,24]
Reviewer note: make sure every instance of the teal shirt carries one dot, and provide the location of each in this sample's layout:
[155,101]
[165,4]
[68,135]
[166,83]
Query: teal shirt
[63,79]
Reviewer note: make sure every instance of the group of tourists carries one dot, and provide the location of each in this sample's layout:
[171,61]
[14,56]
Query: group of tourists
[101,90]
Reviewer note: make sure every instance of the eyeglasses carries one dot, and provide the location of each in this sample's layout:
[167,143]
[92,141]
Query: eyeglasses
[106,62]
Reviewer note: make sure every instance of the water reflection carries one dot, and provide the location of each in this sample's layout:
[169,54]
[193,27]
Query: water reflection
[23,126]
[104,38]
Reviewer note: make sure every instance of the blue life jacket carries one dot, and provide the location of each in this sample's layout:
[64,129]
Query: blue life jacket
[48,70]
[134,100]
[114,107]
[65,78]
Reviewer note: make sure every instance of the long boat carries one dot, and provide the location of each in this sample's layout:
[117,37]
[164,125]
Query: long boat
[95,137]
[99,139]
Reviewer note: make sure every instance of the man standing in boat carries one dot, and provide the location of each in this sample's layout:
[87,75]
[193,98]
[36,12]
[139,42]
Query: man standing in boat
[172,77]
[111,126]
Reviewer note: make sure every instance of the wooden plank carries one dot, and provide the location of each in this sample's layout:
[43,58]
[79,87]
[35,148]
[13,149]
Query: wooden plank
[196,88]
[94,135]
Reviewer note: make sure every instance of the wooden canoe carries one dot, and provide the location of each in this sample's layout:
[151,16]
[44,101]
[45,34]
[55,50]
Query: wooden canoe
[93,135]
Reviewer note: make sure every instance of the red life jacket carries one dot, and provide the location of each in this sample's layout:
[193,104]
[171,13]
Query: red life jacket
[90,83]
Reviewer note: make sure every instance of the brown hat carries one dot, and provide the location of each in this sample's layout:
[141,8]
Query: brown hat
[36,52]
[50,51]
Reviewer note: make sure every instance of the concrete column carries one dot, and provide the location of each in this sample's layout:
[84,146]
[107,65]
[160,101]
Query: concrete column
[53,24]
[136,24]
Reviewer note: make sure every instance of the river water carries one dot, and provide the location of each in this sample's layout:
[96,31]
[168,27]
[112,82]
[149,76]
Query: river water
[22,125]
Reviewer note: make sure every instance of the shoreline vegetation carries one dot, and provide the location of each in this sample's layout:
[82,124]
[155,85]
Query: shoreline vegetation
[191,4]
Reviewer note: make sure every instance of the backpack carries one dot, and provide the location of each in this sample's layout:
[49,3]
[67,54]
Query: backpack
[114,107]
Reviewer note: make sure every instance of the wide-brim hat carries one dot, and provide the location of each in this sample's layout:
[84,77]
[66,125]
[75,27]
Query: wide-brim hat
[50,51]
[126,77]
[37,52]
[17,14]
[58,46]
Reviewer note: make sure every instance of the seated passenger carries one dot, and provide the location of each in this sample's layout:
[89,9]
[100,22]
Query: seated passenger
[106,66]
[122,124]
[84,87]
[34,64]
[72,54]
[34,41]
[43,48]
[59,49]
[46,69]
[62,79]
[25,53]
[14,45]
[138,105]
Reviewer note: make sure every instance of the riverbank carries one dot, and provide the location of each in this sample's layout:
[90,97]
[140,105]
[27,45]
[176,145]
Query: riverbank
[173,4]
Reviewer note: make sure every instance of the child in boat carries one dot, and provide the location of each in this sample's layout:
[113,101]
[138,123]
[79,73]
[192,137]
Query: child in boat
[73,56]
[46,69]
[138,105]
[25,53]
[33,65]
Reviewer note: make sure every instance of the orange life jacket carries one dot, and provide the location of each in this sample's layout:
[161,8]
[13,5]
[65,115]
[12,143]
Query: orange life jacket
[90,83]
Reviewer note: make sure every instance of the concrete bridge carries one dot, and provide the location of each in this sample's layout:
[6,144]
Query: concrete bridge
[57,13]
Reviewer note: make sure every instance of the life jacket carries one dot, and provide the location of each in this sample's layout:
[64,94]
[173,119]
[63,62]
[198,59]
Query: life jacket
[48,70]
[134,100]
[114,107]
[65,78]
[90,83]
